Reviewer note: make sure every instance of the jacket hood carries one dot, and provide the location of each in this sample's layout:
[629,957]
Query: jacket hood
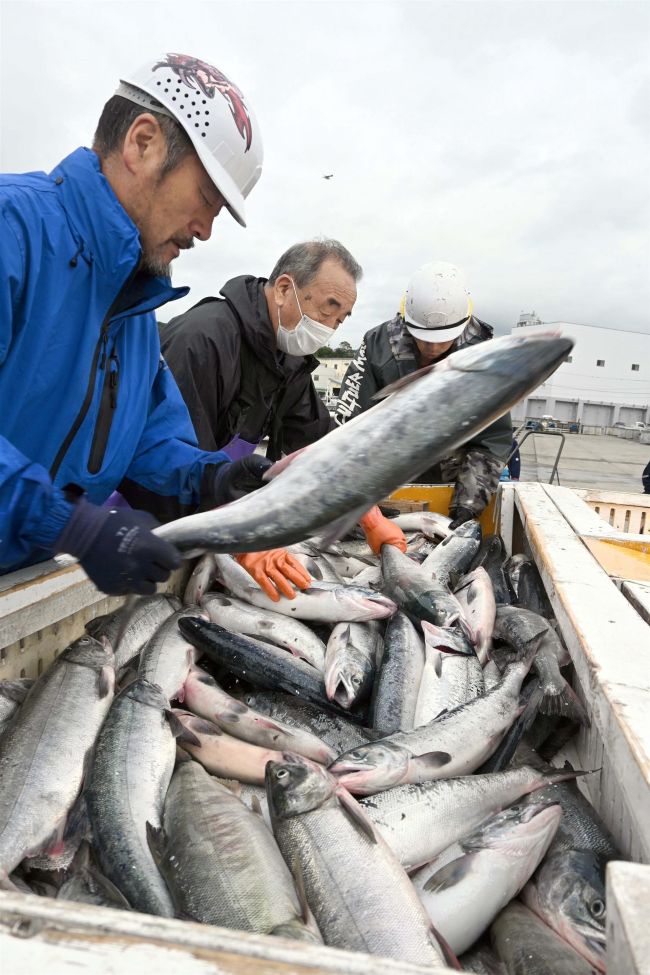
[246,296]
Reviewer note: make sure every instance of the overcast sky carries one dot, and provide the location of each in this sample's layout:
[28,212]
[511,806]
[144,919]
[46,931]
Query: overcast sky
[510,138]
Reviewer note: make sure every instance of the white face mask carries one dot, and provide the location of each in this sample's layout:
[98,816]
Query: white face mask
[308,335]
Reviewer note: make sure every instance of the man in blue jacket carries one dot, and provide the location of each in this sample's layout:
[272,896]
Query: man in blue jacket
[87,405]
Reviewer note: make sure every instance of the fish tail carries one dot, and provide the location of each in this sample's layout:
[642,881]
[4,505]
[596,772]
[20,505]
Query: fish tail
[566,704]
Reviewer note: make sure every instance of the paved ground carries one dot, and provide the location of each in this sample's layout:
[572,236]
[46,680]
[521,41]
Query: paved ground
[586,461]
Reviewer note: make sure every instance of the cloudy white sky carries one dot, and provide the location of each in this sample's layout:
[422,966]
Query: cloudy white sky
[510,138]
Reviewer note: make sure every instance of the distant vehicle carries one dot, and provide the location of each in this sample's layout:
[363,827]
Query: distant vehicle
[619,423]
[637,425]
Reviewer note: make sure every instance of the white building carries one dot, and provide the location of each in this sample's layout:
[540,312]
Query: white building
[339,367]
[606,379]
[327,381]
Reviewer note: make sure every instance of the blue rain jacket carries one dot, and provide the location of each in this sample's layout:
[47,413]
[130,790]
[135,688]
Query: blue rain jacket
[85,396]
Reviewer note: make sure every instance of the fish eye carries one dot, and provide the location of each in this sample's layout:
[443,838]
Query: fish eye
[515,809]
[597,908]
[356,680]
[281,773]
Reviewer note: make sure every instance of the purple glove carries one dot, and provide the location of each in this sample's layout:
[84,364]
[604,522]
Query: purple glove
[117,549]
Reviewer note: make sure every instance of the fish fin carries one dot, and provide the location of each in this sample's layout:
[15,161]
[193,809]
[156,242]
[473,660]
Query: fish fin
[567,704]
[430,761]
[105,681]
[182,755]
[203,726]
[272,726]
[77,823]
[308,918]
[401,383]
[180,732]
[156,840]
[451,874]
[107,887]
[355,814]
[256,806]
[449,957]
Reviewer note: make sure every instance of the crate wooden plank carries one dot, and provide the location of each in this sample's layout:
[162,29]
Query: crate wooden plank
[638,593]
[586,522]
[628,932]
[609,645]
[37,933]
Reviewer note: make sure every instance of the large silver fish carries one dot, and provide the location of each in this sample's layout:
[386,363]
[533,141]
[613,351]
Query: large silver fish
[360,894]
[395,692]
[44,749]
[144,617]
[132,768]
[464,889]
[325,602]
[361,462]
[351,662]
[240,617]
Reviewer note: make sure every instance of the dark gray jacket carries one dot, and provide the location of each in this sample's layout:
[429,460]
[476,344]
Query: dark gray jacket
[388,353]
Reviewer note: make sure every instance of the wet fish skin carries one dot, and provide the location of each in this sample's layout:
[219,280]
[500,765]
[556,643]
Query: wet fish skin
[167,657]
[222,754]
[43,751]
[568,893]
[395,690]
[457,668]
[258,663]
[131,770]
[475,594]
[221,862]
[527,946]
[530,591]
[206,699]
[482,961]
[454,744]
[351,662]
[491,556]
[240,617]
[360,895]
[415,591]
[335,730]
[420,821]
[466,886]
[344,473]
[455,553]
[146,615]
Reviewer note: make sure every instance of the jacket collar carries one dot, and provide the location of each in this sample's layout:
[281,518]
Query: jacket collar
[403,344]
[106,236]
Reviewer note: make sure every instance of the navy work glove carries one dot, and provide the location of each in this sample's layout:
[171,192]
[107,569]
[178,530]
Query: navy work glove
[460,516]
[117,549]
[240,477]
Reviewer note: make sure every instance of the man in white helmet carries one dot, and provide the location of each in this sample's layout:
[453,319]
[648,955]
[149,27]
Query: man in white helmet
[435,319]
[87,405]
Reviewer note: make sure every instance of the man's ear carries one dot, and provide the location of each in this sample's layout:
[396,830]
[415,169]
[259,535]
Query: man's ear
[144,145]
[282,289]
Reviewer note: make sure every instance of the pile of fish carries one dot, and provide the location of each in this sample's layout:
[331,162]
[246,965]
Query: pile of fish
[365,765]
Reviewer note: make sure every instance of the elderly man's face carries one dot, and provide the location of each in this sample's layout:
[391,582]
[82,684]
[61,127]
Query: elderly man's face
[172,211]
[328,298]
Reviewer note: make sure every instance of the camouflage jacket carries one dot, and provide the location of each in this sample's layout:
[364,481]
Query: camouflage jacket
[387,353]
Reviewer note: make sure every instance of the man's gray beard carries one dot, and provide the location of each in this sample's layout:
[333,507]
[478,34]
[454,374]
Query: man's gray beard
[155,266]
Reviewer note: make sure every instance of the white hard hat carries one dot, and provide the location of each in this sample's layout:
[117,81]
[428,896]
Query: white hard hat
[213,112]
[437,306]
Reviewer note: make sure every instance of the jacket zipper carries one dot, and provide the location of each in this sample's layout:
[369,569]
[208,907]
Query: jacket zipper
[88,398]
[107,407]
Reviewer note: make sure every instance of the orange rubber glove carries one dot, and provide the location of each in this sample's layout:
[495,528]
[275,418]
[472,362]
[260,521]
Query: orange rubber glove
[381,531]
[275,570]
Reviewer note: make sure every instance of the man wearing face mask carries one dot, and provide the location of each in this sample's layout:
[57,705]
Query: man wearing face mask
[243,362]
[436,319]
